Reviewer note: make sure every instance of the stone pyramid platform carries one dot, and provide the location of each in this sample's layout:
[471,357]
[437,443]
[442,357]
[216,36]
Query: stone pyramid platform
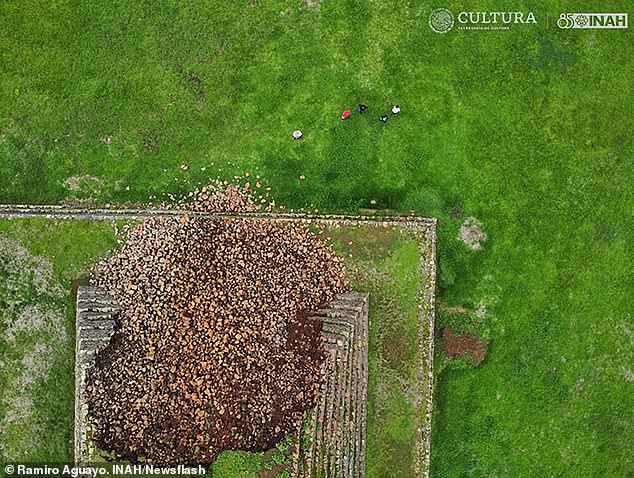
[334,442]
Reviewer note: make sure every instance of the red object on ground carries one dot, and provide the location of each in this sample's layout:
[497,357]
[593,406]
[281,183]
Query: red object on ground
[345,114]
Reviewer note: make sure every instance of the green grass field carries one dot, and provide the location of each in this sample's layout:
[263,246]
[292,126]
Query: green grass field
[40,261]
[529,131]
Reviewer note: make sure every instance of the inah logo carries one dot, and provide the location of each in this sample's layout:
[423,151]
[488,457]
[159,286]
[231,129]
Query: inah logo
[441,20]
[592,20]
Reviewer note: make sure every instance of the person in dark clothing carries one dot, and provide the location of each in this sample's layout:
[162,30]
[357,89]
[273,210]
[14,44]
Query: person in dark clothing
[361,108]
[384,118]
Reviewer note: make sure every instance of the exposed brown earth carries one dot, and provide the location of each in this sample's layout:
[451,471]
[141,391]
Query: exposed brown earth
[462,344]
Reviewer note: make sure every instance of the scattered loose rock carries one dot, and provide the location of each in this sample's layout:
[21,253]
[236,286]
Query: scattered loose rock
[471,233]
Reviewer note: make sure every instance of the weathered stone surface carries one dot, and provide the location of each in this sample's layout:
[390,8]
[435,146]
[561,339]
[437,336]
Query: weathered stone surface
[336,435]
[95,323]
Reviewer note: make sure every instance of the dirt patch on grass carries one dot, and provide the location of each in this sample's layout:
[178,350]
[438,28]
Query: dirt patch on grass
[396,354]
[375,240]
[471,233]
[84,184]
[450,310]
[463,345]
[481,311]
[628,374]
[31,337]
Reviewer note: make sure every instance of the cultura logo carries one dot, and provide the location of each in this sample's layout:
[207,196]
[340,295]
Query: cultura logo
[441,20]
[592,20]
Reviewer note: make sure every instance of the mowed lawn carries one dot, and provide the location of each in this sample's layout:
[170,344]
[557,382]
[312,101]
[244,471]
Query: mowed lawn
[528,130]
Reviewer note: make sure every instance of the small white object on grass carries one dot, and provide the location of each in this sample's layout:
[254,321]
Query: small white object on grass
[297,134]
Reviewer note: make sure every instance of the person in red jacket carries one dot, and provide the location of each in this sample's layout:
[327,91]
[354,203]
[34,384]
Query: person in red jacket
[345,114]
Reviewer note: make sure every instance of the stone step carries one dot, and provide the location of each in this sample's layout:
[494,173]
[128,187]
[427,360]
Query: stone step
[92,345]
[91,299]
[344,405]
[335,419]
[92,333]
[97,313]
[315,432]
[328,424]
[348,412]
[87,358]
[107,324]
[352,404]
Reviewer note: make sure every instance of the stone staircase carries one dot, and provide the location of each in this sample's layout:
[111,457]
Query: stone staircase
[95,324]
[334,445]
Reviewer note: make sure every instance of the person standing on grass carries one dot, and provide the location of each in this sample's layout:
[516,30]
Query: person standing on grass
[396,109]
[345,114]
[297,134]
[384,118]
[361,108]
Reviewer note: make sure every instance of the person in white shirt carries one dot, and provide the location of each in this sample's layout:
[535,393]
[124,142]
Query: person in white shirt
[297,134]
[396,109]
